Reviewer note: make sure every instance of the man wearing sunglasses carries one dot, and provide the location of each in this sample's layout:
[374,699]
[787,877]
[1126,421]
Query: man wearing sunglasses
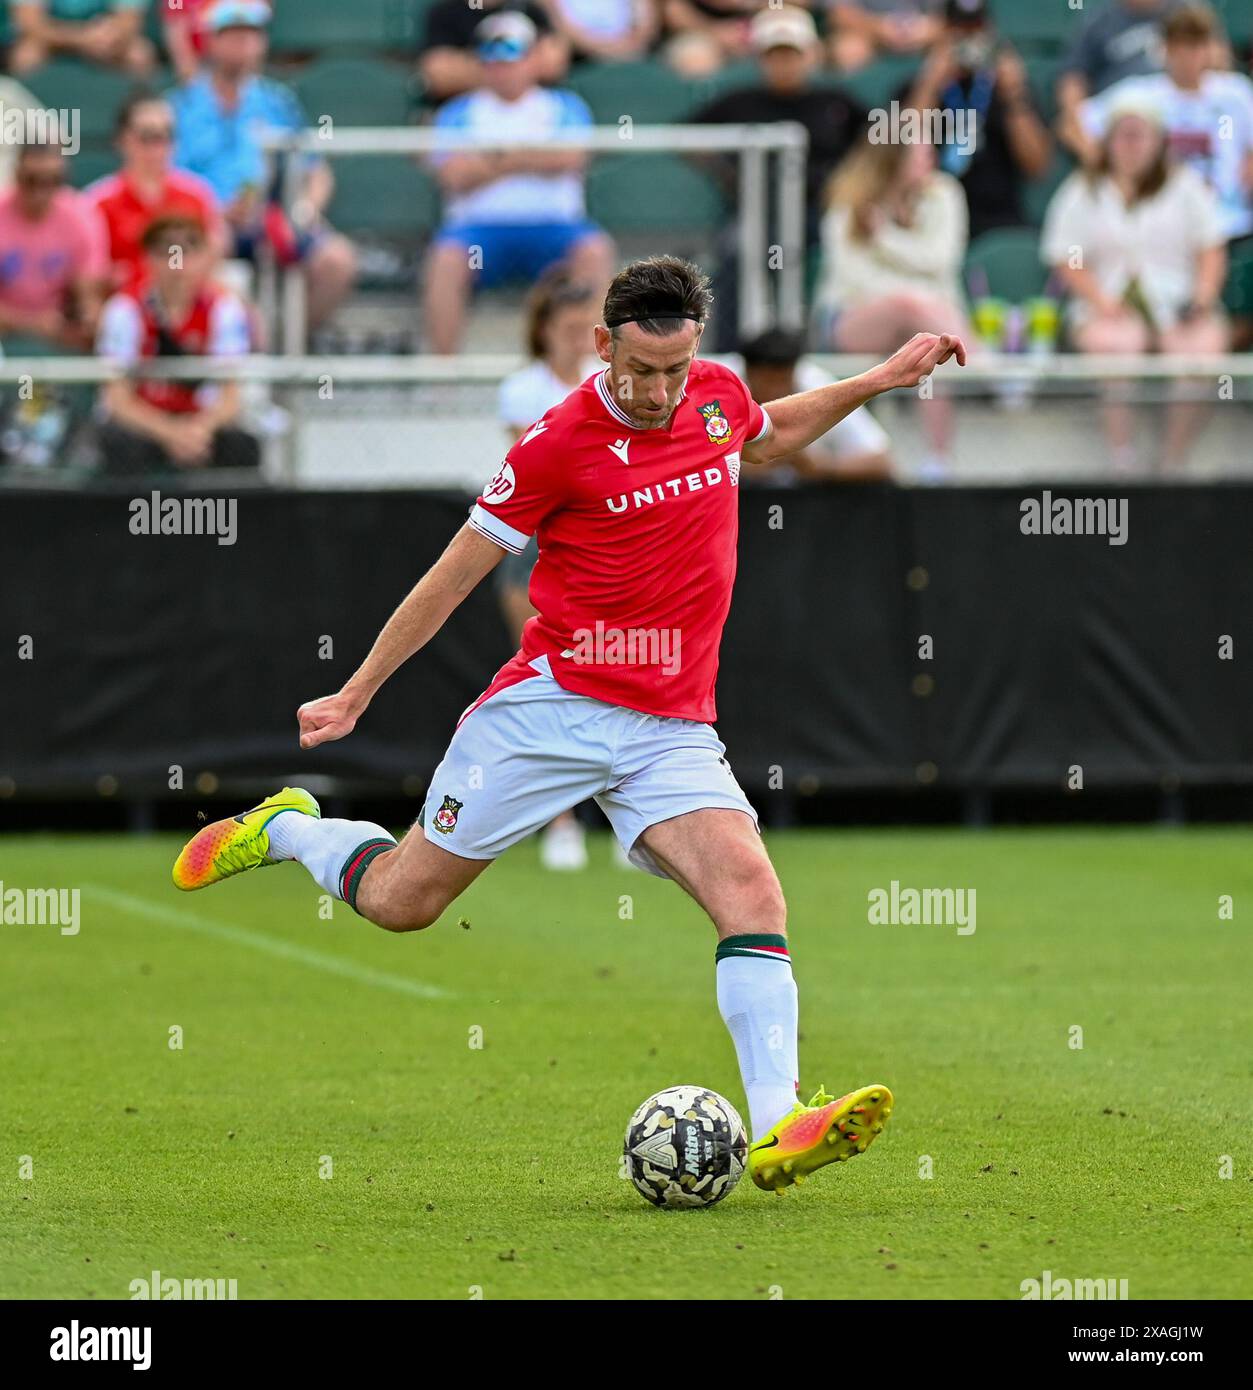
[53,257]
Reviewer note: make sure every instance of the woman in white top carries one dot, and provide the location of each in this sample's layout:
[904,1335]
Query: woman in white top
[1138,244]
[893,240]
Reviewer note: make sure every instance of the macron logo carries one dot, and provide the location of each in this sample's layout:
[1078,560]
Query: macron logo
[620,447]
[533,431]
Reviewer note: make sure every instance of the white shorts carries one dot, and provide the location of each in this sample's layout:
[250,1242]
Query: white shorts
[533,750]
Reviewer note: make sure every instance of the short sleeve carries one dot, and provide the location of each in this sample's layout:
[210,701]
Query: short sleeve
[575,112]
[528,486]
[1064,221]
[1203,222]
[229,334]
[120,334]
[94,260]
[758,420]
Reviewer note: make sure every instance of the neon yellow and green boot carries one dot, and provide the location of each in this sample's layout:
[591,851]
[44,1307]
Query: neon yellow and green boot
[810,1136]
[241,842]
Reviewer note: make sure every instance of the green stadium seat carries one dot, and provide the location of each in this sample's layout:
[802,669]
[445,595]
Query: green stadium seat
[1043,24]
[647,192]
[1237,20]
[363,26]
[1039,192]
[96,93]
[1238,292]
[386,194]
[1042,75]
[356,91]
[877,85]
[89,165]
[704,90]
[650,93]
[1009,259]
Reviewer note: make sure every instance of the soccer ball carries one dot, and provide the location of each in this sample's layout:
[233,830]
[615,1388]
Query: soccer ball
[685,1147]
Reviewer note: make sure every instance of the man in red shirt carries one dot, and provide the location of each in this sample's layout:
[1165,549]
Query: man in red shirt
[148,185]
[630,485]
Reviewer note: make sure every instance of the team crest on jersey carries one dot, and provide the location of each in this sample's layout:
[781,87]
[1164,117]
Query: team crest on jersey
[717,426]
[446,816]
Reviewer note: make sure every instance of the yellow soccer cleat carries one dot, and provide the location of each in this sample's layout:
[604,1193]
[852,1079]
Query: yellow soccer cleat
[241,842]
[824,1131]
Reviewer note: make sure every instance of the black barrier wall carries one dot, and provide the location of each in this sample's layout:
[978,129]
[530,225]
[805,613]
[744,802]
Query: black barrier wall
[125,655]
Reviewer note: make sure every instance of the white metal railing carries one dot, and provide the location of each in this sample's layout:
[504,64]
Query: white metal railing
[751,144]
[982,370]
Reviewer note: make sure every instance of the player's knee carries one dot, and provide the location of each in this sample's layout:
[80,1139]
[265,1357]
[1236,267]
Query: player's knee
[413,915]
[757,897]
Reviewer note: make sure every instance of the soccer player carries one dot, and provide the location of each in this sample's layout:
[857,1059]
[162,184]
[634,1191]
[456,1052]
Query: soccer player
[630,484]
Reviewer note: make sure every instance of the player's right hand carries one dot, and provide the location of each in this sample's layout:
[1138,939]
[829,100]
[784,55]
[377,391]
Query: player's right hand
[331,717]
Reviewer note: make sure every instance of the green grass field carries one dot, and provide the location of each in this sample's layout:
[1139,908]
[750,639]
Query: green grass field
[495,1168]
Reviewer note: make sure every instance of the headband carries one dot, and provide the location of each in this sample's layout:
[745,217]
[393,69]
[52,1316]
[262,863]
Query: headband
[660,314]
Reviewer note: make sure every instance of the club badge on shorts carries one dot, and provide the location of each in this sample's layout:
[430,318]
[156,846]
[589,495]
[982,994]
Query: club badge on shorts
[717,426]
[446,816]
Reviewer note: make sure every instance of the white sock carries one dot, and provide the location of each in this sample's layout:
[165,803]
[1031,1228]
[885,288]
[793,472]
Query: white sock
[336,852]
[757,1000]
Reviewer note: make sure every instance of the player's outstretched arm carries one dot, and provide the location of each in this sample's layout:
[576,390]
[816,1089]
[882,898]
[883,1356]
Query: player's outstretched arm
[469,557]
[796,421]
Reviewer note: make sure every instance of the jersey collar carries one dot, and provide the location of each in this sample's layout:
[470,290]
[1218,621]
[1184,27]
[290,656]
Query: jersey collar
[605,392]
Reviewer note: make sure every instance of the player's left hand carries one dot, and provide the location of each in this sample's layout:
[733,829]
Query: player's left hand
[921,356]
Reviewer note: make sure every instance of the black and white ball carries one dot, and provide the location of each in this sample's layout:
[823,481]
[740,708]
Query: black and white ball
[685,1147]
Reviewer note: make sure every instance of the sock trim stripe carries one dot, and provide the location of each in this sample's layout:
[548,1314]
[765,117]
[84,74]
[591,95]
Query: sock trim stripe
[766,946]
[757,952]
[355,866]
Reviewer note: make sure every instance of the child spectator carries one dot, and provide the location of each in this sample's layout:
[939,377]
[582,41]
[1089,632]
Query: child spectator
[154,425]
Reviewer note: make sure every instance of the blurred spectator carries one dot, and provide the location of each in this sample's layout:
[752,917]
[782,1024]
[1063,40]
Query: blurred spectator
[181,28]
[607,31]
[147,186]
[863,30]
[156,425]
[969,70]
[221,116]
[893,241]
[509,213]
[13,97]
[1208,115]
[108,32]
[561,315]
[1122,39]
[449,63]
[1138,244]
[706,34]
[856,450]
[53,255]
[785,41]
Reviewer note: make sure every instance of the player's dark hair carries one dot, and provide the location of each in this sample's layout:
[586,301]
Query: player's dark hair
[553,292]
[777,347]
[660,294]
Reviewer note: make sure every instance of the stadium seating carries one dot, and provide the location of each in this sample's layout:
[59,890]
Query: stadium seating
[384,194]
[339,26]
[650,192]
[96,93]
[1007,264]
[356,91]
[648,92]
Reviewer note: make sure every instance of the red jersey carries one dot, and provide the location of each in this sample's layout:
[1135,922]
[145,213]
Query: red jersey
[127,215]
[637,534]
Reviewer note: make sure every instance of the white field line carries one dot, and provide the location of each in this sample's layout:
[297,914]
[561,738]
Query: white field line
[258,941]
